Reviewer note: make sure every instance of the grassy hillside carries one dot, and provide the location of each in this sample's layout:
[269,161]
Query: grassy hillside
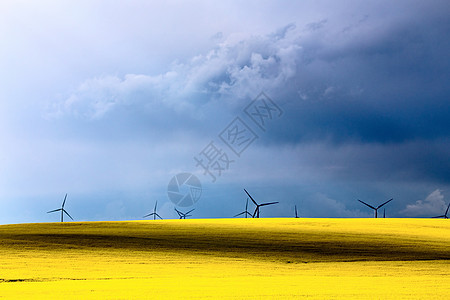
[319,258]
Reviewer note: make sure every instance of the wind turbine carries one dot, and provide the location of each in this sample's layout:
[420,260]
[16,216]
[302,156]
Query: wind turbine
[256,213]
[384,212]
[296,215]
[375,208]
[63,211]
[246,212]
[444,215]
[184,215]
[154,213]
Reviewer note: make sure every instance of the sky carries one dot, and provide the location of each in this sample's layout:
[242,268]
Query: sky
[310,103]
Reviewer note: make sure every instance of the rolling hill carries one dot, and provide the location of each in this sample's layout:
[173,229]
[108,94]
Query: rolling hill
[210,258]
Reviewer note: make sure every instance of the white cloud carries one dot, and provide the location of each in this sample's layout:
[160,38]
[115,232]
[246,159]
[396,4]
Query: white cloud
[236,68]
[98,96]
[433,205]
[240,65]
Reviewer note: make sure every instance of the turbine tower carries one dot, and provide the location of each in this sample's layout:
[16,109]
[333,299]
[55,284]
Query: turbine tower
[444,215]
[154,213]
[375,208]
[246,212]
[63,211]
[184,215]
[296,215]
[256,213]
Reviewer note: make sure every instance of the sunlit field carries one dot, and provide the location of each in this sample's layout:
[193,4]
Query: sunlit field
[244,258]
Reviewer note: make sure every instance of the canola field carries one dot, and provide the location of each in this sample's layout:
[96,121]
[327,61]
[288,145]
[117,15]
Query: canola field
[227,258]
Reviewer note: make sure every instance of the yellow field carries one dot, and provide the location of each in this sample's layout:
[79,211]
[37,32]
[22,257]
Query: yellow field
[244,258]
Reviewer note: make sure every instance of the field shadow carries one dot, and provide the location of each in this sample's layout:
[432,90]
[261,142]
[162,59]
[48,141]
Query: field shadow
[300,246]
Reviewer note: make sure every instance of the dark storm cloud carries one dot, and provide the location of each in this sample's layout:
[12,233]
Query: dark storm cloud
[367,80]
[383,85]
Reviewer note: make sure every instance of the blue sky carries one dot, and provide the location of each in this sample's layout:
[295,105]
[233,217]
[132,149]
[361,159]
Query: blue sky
[108,101]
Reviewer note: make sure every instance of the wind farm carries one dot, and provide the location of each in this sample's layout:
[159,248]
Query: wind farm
[274,257]
[289,257]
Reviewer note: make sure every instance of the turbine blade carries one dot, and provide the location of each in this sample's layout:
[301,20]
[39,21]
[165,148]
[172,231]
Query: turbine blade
[148,215]
[64,202]
[190,211]
[239,214]
[158,216]
[270,203]
[250,197]
[256,210]
[67,214]
[379,206]
[54,210]
[447,209]
[156,203]
[367,204]
[246,204]
[443,216]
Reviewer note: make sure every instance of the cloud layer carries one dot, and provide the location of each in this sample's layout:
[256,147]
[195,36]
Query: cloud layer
[117,104]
